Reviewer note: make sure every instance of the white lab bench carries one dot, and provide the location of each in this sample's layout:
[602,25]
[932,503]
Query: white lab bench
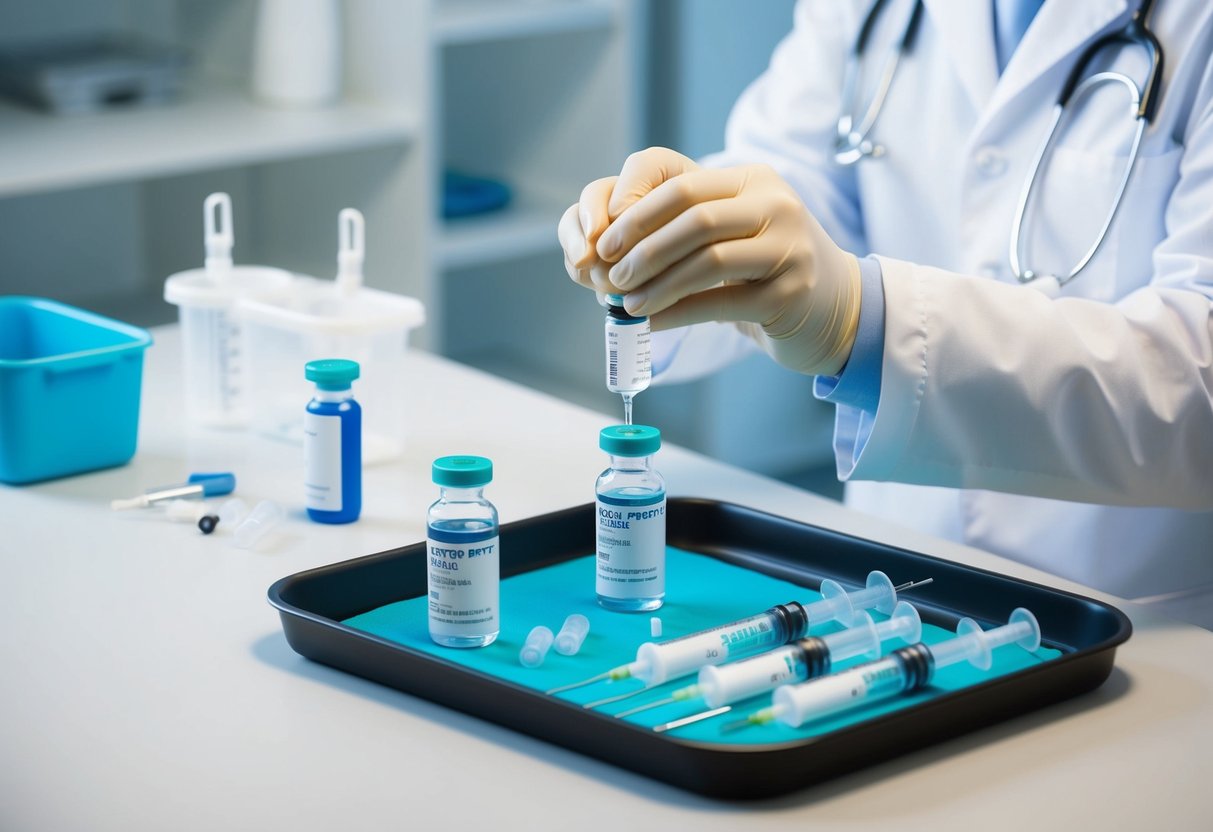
[147,684]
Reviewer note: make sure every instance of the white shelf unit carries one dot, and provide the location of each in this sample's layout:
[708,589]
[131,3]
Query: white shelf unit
[543,95]
[99,209]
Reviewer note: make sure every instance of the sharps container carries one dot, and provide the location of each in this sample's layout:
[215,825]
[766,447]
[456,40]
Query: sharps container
[70,382]
[211,338]
[323,318]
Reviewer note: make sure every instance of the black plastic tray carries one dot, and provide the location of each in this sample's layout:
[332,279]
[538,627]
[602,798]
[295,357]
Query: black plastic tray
[313,604]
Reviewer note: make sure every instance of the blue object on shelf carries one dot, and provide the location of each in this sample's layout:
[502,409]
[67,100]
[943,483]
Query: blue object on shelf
[464,195]
[69,389]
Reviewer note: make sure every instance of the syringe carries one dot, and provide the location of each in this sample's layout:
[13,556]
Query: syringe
[657,662]
[804,659]
[902,671]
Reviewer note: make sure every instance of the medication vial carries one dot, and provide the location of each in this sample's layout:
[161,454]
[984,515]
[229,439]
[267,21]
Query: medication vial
[463,557]
[332,443]
[631,521]
[629,356]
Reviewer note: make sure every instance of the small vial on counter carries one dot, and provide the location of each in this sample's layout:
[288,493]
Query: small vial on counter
[655,627]
[631,521]
[260,521]
[332,443]
[572,634]
[629,354]
[463,566]
[536,647]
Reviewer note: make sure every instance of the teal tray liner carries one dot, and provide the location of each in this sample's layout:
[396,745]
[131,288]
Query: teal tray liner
[701,592]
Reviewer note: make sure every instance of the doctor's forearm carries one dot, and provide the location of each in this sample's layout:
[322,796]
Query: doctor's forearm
[993,386]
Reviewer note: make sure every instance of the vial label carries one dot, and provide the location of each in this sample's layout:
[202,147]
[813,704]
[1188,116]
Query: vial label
[631,546]
[464,580]
[629,355]
[322,461]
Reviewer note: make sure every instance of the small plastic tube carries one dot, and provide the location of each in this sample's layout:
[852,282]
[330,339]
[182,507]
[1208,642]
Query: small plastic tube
[536,647]
[572,634]
[265,516]
[655,627]
[232,512]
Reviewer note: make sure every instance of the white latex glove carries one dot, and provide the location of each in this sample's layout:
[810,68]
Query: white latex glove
[691,244]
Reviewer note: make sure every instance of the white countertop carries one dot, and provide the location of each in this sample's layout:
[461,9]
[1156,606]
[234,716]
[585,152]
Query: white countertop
[147,684]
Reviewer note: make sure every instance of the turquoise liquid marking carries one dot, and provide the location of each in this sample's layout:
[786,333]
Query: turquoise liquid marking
[462,530]
[350,414]
[632,496]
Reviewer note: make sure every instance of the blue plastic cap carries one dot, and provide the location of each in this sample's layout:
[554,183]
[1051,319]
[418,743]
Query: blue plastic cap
[332,373]
[462,471]
[614,300]
[215,485]
[630,440]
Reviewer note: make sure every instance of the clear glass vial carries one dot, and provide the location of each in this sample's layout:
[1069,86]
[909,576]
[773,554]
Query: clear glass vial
[463,555]
[332,443]
[631,521]
[629,353]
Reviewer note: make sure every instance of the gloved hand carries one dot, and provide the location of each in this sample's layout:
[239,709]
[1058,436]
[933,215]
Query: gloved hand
[691,244]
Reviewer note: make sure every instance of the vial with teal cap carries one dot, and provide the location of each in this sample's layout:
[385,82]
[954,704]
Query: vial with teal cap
[332,443]
[631,521]
[463,556]
[629,355]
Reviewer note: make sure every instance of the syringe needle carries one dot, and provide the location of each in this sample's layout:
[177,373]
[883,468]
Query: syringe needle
[646,706]
[736,725]
[600,677]
[913,584]
[693,718]
[610,699]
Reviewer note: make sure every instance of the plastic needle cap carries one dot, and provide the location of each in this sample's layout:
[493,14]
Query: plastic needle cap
[572,634]
[535,649]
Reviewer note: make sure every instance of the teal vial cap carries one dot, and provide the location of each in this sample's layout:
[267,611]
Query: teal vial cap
[332,373]
[462,471]
[630,440]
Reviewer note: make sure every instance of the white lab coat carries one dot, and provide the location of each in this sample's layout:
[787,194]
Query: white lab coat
[1101,411]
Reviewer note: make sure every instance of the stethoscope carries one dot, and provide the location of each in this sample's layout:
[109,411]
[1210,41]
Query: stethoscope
[853,142]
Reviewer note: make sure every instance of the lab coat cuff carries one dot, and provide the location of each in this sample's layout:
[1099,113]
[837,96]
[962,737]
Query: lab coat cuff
[876,444]
[858,385]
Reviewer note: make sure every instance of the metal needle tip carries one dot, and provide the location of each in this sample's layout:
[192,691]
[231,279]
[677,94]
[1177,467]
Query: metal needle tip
[689,720]
[610,699]
[668,700]
[588,681]
[736,725]
[913,584]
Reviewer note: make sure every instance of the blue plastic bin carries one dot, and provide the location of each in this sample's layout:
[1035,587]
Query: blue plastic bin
[69,389]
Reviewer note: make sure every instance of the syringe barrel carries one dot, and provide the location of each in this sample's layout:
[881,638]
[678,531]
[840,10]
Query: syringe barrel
[759,674]
[817,698]
[905,669]
[657,662]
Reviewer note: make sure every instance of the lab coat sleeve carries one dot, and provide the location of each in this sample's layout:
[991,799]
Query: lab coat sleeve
[996,386]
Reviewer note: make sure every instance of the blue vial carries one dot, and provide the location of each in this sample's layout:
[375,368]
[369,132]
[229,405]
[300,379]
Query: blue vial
[464,558]
[332,443]
[631,521]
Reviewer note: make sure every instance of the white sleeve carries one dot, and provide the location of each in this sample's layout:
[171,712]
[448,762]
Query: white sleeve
[995,386]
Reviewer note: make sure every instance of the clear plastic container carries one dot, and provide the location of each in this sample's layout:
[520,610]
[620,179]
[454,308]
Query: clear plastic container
[323,318]
[212,340]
